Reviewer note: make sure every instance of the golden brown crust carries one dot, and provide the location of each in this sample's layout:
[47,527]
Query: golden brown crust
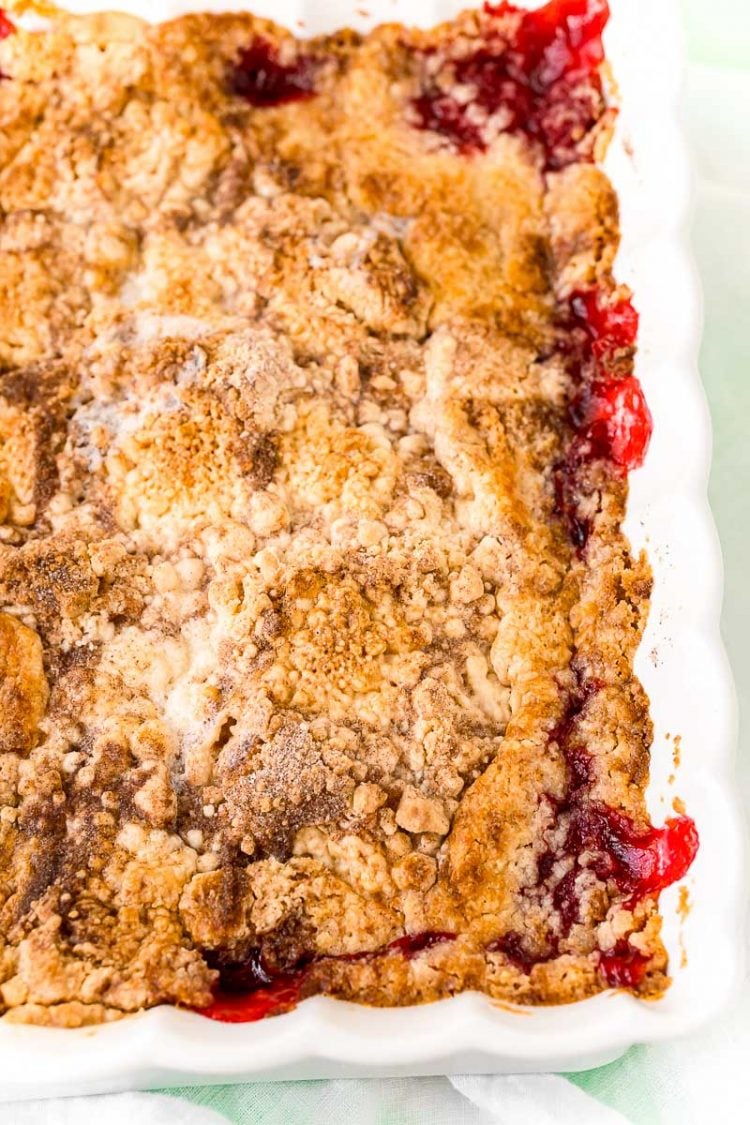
[278,408]
[23,686]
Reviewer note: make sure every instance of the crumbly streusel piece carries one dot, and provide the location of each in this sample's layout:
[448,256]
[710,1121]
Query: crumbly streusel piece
[317,620]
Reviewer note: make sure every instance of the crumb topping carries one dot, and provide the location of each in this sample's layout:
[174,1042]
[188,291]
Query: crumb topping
[298,657]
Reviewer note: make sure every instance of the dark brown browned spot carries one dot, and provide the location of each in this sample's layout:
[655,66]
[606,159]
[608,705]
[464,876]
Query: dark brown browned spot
[258,457]
[434,476]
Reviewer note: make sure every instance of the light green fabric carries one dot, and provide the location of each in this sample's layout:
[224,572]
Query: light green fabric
[642,1085]
[718,31]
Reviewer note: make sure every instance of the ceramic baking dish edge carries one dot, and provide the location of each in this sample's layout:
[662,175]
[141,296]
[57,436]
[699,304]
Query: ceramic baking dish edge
[681,663]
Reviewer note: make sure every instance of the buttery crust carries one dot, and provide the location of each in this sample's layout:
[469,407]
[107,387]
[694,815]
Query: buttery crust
[289,623]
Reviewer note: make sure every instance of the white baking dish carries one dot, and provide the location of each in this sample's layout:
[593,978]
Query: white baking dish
[681,663]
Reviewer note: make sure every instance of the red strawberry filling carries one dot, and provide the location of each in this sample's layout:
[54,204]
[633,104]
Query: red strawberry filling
[611,326]
[514,948]
[264,80]
[609,418]
[7,27]
[640,861]
[623,966]
[602,840]
[543,83]
[279,995]
[251,990]
[613,423]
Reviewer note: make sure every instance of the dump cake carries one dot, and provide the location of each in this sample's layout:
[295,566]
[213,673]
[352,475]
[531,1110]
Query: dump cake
[317,622]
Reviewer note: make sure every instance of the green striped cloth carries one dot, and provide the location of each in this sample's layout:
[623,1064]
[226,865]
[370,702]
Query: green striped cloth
[669,1083]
